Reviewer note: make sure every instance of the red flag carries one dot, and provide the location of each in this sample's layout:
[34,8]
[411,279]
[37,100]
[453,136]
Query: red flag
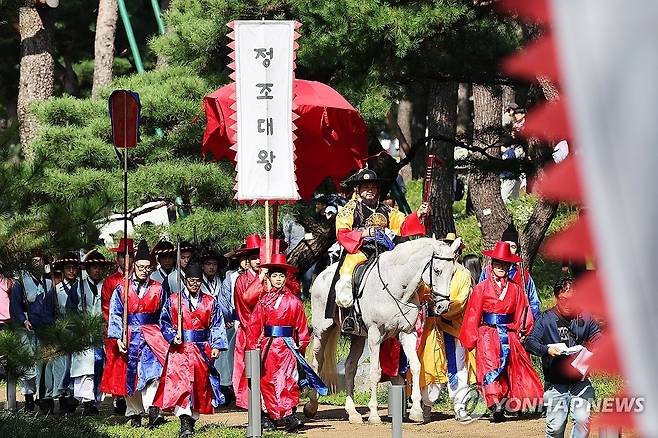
[124,114]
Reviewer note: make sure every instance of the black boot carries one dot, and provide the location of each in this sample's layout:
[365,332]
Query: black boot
[266,423]
[186,426]
[155,417]
[47,406]
[29,403]
[229,395]
[292,423]
[135,421]
[71,404]
[497,414]
[120,406]
[89,408]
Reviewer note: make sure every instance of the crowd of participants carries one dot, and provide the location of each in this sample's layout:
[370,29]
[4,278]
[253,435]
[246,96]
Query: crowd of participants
[232,303]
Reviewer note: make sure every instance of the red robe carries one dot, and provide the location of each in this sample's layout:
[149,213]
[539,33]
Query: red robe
[186,373]
[519,379]
[279,382]
[115,376]
[112,353]
[245,300]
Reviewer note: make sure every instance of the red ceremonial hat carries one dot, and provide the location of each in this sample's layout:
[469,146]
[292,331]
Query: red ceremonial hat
[502,252]
[279,261]
[251,244]
[122,246]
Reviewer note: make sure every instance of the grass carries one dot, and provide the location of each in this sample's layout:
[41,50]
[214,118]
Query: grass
[37,426]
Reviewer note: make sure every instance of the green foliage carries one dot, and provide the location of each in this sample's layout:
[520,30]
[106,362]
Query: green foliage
[15,356]
[365,49]
[71,334]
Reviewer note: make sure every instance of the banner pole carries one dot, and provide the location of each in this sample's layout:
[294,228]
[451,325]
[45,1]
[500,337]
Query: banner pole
[267,232]
[126,263]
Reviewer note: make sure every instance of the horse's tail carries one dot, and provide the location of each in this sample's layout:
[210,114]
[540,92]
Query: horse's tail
[328,372]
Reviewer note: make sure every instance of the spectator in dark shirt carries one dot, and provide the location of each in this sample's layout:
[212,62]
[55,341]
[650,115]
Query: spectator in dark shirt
[566,390]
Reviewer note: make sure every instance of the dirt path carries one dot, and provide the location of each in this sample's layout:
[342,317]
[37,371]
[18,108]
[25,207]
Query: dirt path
[331,421]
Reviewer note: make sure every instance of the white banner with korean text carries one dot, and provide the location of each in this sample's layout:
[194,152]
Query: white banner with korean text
[264,64]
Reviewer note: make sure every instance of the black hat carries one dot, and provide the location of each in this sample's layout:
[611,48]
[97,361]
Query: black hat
[510,234]
[94,257]
[142,251]
[211,254]
[193,270]
[68,258]
[186,246]
[362,176]
[164,247]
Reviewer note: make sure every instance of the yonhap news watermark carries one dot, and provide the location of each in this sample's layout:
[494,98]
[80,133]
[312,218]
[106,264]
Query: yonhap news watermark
[476,407]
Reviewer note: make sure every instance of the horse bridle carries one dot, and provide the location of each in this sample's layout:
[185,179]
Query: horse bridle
[430,264]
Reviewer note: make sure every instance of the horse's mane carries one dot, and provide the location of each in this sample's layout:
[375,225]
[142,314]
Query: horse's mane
[404,252]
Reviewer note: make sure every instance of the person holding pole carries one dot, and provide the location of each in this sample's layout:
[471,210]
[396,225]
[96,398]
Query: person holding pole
[495,322]
[30,308]
[226,302]
[278,327]
[113,360]
[245,300]
[87,366]
[190,385]
[140,341]
[518,273]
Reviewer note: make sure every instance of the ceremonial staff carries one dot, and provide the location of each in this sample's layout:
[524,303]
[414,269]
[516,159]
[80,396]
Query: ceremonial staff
[525,311]
[180,292]
[83,295]
[124,115]
[427,187]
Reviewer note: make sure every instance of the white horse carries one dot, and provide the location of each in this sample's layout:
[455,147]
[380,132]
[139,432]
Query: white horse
[389,306]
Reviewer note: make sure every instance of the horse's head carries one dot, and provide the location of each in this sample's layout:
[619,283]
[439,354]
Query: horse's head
[438,273]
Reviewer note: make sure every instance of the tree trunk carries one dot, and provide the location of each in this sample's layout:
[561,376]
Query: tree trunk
[308,252]
[484,184]
[106,25]
[70,80]
[405,112]
[464,111]
[161,61]
[36,71]
[412,118]
[545,210]
[442,120]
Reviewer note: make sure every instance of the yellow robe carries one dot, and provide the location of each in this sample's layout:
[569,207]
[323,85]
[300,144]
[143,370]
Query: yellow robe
[431,351]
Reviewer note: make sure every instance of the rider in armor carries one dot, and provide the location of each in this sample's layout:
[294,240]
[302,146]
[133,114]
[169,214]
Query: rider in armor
[366,226]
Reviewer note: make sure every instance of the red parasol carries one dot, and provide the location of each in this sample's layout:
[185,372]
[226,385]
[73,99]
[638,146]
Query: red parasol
[331,135]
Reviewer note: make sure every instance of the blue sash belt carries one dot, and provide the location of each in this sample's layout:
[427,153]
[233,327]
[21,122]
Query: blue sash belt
[278,331]
[497,318]
[500,321]
[143,318]
[195,335]
[311,379]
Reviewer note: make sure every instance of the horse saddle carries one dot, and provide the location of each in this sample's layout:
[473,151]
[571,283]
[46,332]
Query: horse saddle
[358,274]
